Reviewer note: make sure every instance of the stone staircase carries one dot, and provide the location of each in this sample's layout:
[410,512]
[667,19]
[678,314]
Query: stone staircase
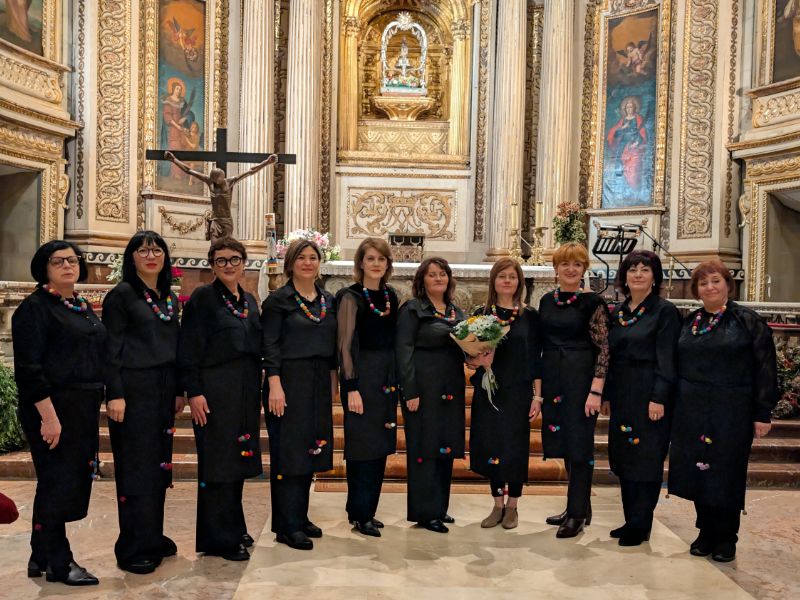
[775,460]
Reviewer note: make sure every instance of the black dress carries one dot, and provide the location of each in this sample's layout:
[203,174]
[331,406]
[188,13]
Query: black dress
[641,370]
[430,366]
[503,434]
[574,351]
[219,355]
[303,353]
[727,379]
[366,358]
[142,370]
[59,354]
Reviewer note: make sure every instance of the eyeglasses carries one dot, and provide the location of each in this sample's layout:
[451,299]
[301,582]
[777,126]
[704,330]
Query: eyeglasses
[58,261]
[144,251]
[234,261]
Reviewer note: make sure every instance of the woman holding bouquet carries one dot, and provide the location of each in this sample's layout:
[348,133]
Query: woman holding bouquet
[431,374]
[499,444]
[367,320]
[574,364]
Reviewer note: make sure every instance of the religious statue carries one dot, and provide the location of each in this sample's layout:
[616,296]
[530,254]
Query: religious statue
[220,224]
[402,61]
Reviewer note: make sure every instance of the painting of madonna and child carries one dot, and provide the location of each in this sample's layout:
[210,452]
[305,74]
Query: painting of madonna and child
[630,114]
[181,89]
[21,24]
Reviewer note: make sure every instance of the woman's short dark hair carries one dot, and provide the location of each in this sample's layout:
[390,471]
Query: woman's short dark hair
[708,268]
[228,243]
[640,257]
[129,275]
[418,286]
[42,256]
[293,253]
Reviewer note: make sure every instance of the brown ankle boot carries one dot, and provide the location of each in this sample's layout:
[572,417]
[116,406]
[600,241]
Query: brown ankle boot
[510,518]
[494,518]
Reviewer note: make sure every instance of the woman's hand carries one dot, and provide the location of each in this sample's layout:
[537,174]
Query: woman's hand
[536,408]
[51,431]
[199,407]
[761,429]
[605,408]
[277,399]
[413,404]
[116,409]
[354,402]
[592,406]
[180,404]
[656,411]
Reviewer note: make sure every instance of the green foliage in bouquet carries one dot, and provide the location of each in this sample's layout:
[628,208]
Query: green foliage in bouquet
[568,224]
[485,328]
[11,437]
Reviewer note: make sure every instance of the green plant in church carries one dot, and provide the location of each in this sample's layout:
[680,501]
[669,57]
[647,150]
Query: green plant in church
[11,437]
[569,223]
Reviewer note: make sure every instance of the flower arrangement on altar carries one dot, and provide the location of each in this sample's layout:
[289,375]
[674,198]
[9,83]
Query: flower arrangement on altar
[568,224]
[480,335]
[402,81]
[322,240]
[788,380]
[115,276]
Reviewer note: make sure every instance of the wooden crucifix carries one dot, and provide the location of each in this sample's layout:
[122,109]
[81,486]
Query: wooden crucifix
[221,187]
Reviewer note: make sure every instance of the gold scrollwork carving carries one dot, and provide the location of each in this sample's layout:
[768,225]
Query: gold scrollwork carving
[81,108]
[729,170]
[697,129]
[327,118]
[63,190]
[769,167]
[378,212]
[184,227]
[113,109]
[481,157]
[29,79]
[767,110]
[532,94]
[405,138]
[14,136]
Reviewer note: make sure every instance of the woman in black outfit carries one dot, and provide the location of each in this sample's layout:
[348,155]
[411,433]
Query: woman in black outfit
[642,341]
[367,319]
[59,349]
[727,388]
[499,443]
[431,373]
[299,347]
[574,365]
[141,316]
[219,356]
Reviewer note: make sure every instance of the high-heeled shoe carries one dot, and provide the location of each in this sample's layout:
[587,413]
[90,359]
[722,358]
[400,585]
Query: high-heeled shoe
[36,568]
[570,528]
[76,575]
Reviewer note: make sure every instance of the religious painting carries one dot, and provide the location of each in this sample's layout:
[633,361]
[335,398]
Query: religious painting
[630,110]
[181,89]
[786,46]
[22,23]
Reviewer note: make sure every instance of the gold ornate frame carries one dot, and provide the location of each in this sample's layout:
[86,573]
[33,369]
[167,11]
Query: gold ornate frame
[613,10]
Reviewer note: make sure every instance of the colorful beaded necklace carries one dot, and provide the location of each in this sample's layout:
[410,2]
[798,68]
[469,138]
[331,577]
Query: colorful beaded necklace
[633,320]
[450,319]
[78,304]
[712,323]
[239,314]
[511,319]
[572,299]
[372,306]
[170,309]
[323,308]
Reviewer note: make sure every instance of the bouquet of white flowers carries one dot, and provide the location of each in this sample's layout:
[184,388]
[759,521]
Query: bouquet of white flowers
[478,335]
[322,240]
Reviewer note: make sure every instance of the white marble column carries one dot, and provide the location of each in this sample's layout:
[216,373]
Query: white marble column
[348,84]
[508,129]
[556,118]
[255,116]
[304,113]
[459,85]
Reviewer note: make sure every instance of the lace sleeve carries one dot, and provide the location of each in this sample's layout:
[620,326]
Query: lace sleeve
[765,368]
[598,331]
[346,322]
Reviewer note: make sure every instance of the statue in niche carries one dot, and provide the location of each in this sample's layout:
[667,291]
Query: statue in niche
[403,63]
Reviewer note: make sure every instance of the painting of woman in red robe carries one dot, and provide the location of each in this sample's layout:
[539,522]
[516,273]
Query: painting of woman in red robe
[627,143]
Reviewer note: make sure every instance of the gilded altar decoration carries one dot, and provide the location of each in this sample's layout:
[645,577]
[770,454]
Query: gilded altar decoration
[423,212]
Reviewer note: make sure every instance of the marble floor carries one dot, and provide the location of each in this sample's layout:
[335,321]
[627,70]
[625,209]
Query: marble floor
[527,562]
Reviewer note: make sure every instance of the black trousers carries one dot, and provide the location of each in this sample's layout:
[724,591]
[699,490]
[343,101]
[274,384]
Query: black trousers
[141,528]
[718,523]
[50,546]
[364,482]
[514,488]
[639,499]
[220,517]
[289,496]
[428,489]
[579,488]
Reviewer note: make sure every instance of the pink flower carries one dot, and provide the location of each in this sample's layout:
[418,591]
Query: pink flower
[176,272]
[183,298]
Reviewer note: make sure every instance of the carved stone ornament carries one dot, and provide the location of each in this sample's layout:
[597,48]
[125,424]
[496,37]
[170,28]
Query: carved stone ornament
[378,212]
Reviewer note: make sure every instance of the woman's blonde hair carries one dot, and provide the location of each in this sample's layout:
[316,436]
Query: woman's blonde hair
[569,252]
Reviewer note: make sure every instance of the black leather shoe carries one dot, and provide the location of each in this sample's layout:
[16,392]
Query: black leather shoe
[297,540]
[633,536]
[570,528]
[435,525]
[557,519]
[724,552]
[448,519]
[617,533]
[76,575]
[247,541]
[702,546]
[35,568]
[237,555]
[377,523]
[588,515]
[168,547]
[367,528]
[312,530]
[139,566]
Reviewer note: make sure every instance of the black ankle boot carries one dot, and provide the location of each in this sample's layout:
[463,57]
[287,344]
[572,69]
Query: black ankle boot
[557,519]
[570,528]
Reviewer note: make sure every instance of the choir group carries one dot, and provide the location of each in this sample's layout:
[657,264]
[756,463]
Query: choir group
[698,388]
